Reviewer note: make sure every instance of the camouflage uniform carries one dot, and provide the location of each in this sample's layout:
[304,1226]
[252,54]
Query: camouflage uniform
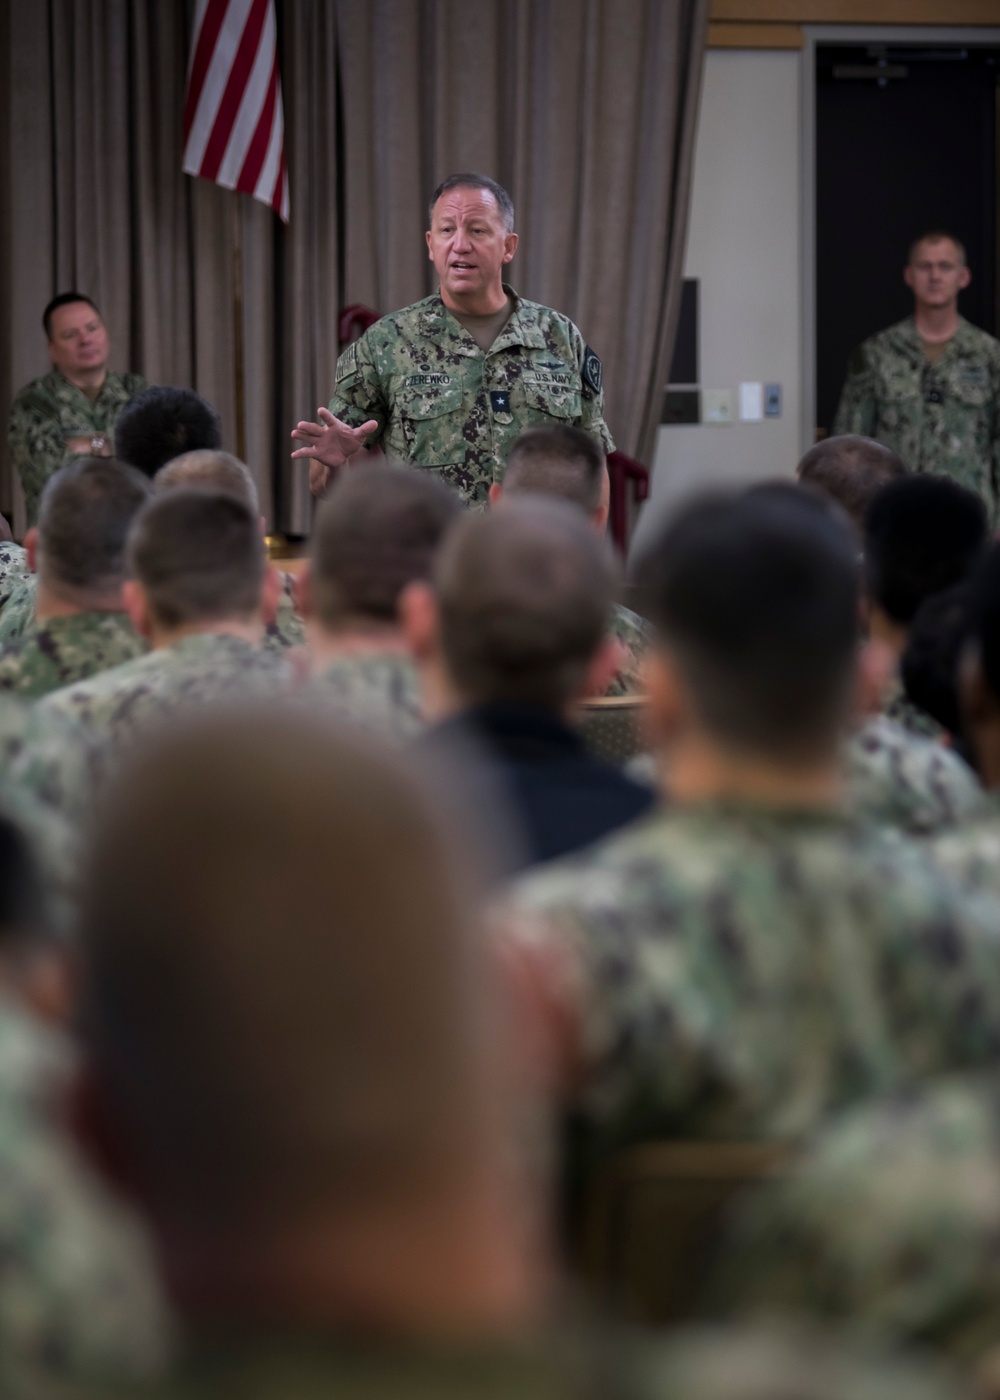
[63,650]
[78,1290]
[897,706]
[634,633]
[895,777]
[972,851]
[740,972]
[18,613]
[891,1222]
[48,412]
[13,568]
[287,630]
[376,689]
[440,402]
[942,417]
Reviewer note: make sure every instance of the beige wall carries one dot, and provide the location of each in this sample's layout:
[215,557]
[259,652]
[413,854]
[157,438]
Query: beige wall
[744,247]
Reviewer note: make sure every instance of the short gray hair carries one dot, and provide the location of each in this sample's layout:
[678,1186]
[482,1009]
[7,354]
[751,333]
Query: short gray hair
[471,181]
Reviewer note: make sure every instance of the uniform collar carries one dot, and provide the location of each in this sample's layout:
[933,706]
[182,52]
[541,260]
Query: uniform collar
[521,329]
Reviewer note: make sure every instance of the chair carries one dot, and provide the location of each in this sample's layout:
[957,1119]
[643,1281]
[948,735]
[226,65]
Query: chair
[612,727]
[624,472]
[653,1217]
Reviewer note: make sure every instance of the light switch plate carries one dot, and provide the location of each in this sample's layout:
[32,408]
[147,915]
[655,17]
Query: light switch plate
[751,402]
[772,400]
[716,405]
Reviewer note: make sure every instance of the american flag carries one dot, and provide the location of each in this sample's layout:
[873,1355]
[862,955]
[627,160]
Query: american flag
[234,127]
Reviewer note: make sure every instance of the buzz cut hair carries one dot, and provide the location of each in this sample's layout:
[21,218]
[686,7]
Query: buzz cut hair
[84,517]
[851,470]
[206,470]
[938,235]
[65,299]
[561,461]
[469,180]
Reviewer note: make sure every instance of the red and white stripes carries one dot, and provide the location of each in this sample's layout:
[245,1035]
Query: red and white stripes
[234,129]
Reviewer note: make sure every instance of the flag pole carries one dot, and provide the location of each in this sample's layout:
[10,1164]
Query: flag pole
[239,360]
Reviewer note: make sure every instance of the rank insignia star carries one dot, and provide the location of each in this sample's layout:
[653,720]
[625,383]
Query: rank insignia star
[500,400]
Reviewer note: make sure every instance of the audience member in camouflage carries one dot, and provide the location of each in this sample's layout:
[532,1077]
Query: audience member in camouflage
[13,568]
[747,960]
[850,470]
[73,409]
[900,709]
[634,633]
[378,689]
[18,613]
[891,1223]
[895,777]
[450,382]
[65,650]
[929,387]
[288,628]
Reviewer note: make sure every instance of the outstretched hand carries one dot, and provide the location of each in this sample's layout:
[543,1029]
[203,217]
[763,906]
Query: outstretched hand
[328,444]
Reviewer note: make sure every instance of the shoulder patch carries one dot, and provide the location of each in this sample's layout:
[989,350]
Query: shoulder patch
[348,361]
[592,370]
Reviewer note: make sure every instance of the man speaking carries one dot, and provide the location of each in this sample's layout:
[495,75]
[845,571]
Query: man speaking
[449,382]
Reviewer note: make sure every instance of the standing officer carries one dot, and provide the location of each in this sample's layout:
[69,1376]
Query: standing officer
[449,382]
[929,386]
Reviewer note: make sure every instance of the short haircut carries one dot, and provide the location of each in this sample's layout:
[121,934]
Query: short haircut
[199,556]
[159,423]
[277,1024]
[852,470]
[472,181]
[379,529]
[938,235]
[214,471]
[563,461]
[930,661]
[984,615]
[922,535]
[525,597]
[756,597]
[64,299]
[84,517]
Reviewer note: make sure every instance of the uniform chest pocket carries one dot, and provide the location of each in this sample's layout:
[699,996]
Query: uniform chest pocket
[548,396]
[971,387]
[432,421]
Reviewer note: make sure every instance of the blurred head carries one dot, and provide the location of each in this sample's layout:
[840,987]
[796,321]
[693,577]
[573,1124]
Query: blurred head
[922,535]
[564,462]
[379,529]
[196,557]
[523,603]
[936,271]
[754,598]
[851,470]
[160,423]
[299,1034]
[979,668]
[32,965]
[84,517]
[76,334]
[209,470]
[934,644]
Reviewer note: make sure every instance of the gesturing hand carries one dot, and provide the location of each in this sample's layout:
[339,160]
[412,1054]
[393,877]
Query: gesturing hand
[329,444]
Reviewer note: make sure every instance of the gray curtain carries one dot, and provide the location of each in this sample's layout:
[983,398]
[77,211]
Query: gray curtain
[584,109]
[92,197]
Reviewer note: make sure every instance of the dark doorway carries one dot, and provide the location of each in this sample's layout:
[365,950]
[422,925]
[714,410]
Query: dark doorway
[906,141]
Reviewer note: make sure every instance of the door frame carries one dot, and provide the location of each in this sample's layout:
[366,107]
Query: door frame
[813,35]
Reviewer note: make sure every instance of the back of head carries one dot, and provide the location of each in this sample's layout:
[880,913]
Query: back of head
[984,616]
[525,597]
[922,535]
[84,517]
[852,470]
[934,643]
[281,1023]
[563,461]
[208,470]
[379,529]
[755,597]
[199,557]
[160,423]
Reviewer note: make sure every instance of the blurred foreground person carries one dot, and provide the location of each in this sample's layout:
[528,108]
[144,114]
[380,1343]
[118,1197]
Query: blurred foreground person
[77,552]
[510,636]
[749,958]
[325,1116]
[851,470]
[570,464]
[379,530]
[205,470]
[79,1298]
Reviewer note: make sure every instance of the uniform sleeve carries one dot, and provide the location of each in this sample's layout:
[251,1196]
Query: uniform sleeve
[856,411]
[592,397]
[358,393]
[37,447]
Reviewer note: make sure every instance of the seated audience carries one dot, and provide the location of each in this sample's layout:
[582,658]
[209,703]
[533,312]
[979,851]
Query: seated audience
[74,409]
[77,552]
[749,958]
[512,634]
[570,464]
[79,1298]
[922,535]
[328,1125]
[379,529]
[220,471]
[929,665]
[851,470]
